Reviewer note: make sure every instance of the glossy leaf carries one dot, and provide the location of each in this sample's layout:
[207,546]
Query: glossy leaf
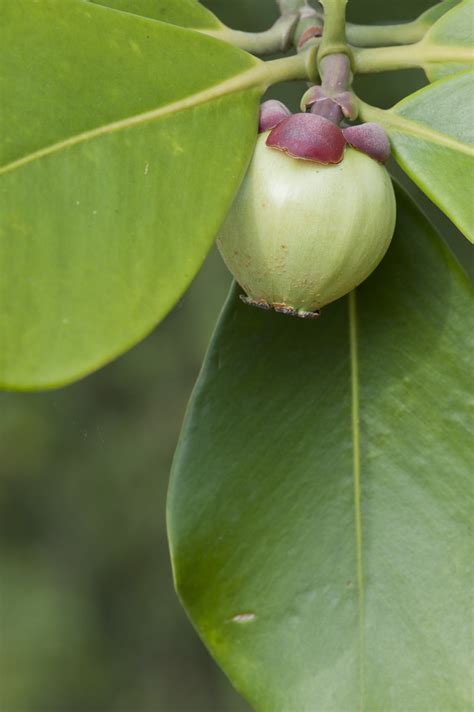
[430,16]
[113,130]
[432,136]
[453,32]
[320,498]
[185,13]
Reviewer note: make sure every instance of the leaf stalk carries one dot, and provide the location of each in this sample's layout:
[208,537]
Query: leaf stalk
[301,66]
[278,38]
[290,6]
[382,59]
[385,35]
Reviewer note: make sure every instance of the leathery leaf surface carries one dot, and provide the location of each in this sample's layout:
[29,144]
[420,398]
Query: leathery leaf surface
[451,36]
[113,128]
[320,501]
[432,138]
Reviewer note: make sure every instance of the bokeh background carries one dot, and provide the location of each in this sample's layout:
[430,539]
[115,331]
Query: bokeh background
[89,621]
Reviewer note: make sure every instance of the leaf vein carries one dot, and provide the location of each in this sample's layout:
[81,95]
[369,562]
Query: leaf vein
[254,77]
[400,124]
[357,476]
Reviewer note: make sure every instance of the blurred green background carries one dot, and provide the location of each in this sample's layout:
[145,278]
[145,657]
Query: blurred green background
[89,618]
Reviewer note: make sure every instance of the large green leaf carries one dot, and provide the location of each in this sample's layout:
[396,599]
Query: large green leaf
[453,32]
[185,13]
[122,143]
[432,136]
[320,498]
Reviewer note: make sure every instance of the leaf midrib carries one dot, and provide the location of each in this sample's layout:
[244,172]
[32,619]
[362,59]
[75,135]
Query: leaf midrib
[255,77]
[430,52]
[357,482]
[408,126]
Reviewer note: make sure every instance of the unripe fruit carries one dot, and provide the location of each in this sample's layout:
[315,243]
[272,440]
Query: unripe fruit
[301,234]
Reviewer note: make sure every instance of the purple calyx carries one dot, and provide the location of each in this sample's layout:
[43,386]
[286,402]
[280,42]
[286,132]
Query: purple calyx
[345,100]
[309,137]
[312,137]
[370,139]
[272,112]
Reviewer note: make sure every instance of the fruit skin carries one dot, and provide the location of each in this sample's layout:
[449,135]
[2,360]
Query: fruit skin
[301,234]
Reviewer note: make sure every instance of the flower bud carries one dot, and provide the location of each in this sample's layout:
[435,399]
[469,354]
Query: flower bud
[301,234]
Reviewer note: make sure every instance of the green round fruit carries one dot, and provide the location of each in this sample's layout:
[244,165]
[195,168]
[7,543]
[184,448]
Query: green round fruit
[301,234]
